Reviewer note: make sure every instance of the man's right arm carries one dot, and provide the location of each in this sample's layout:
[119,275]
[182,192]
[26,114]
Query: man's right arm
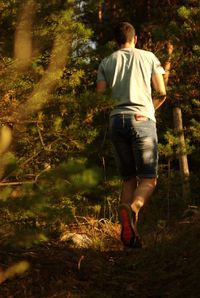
[101,86]
[159,86]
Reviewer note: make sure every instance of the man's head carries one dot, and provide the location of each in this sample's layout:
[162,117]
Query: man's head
[124,33]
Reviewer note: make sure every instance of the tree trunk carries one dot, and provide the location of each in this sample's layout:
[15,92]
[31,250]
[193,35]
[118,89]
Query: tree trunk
[170,49]
[178,128]
[183,161]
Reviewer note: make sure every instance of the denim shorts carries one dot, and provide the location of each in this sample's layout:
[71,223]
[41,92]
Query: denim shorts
[135,145]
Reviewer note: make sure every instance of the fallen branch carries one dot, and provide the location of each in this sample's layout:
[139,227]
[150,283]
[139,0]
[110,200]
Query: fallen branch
[15,183]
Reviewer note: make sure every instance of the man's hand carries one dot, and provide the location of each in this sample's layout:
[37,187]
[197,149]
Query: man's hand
[101,86]
[157,102]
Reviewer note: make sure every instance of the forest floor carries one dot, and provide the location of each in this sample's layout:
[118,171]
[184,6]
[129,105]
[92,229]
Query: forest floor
[168,265]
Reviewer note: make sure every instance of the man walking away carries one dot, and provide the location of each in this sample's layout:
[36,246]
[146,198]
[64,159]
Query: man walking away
[129,73]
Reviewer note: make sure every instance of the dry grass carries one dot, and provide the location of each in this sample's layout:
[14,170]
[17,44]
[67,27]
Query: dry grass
[101,234]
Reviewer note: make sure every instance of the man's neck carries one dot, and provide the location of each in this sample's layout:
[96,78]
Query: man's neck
[127,45]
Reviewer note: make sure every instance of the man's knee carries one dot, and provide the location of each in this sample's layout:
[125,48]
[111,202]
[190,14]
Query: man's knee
[130,181]
[150,182]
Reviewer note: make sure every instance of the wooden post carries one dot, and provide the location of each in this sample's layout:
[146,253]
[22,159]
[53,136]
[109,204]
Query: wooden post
[178,128]
[183,161]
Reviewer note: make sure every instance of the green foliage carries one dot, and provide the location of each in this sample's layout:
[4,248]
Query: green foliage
[171,148]
[45,204]
[184,12]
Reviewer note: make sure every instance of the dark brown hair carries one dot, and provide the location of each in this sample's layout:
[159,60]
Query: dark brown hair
[124,32]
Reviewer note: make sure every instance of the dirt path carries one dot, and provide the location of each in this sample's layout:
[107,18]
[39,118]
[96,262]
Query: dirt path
[168,266]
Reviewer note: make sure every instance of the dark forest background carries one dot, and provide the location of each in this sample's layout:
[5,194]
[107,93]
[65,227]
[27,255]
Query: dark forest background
[59,165]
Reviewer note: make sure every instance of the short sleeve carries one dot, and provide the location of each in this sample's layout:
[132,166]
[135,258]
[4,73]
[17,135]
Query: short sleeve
[156,66]
[101,73]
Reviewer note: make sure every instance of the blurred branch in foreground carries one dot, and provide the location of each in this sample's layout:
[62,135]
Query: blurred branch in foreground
[23,56]
[53,73]
[23,36]
[16,269]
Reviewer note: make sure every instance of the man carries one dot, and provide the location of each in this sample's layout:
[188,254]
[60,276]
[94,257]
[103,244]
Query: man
[129,73]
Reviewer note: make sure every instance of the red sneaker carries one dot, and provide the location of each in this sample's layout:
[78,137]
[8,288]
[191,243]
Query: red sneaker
[129,236]
[128,228]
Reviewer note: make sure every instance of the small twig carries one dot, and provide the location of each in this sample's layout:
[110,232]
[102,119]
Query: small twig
[30,158]
[26,161]
[15,183]
[40,136]
[79,262]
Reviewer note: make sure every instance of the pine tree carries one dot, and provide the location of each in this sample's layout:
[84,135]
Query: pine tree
[46,169]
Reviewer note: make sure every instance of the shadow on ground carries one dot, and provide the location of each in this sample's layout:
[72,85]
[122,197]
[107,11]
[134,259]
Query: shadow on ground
[167,266]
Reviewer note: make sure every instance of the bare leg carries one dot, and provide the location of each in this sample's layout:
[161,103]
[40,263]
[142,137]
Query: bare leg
[142,193]
[136,193]
[128,189]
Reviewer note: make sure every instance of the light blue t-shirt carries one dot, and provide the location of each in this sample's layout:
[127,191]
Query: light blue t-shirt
[128,74]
